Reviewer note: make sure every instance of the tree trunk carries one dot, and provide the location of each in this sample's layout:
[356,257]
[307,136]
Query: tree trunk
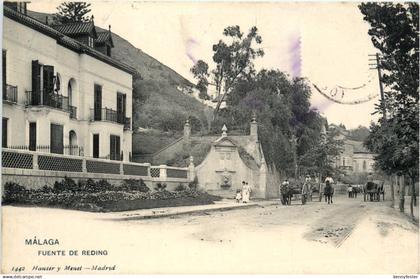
[320,197]
[413,196]
[392,191]
[402,192]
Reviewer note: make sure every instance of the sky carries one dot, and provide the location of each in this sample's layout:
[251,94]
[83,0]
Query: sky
[325,42]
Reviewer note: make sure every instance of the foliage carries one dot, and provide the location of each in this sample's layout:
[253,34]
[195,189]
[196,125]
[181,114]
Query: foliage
[283,113]
[73,12]
[160,187]
[321,156]
[115,200]
[233,59]
[394,30]
[67,184]
[12,192]
[193,185]
[180,187]
[134,185]
[160,106]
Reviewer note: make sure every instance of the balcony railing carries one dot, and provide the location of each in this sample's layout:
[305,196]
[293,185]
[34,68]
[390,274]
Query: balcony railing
[49,99]
[73,112]
[10,94]
[107,114]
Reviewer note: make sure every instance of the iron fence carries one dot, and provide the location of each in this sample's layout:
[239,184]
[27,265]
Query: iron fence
[49,99]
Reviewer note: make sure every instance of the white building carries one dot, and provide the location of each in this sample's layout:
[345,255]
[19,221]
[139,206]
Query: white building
[62,91]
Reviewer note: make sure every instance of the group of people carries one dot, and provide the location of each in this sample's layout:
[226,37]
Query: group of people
[353,190]
[242,195]
[287,191]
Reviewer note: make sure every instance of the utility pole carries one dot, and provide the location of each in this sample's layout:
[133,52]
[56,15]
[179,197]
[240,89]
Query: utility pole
[377,65]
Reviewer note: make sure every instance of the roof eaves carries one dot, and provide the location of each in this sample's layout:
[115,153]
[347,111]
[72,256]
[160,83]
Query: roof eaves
[65,40]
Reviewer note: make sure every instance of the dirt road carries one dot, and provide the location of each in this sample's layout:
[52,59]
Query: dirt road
[349,236]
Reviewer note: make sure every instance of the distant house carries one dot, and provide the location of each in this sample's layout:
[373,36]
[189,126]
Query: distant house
[62,91]
[354,158]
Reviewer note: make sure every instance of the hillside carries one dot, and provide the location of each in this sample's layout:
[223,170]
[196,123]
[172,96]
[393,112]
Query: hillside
[158,104]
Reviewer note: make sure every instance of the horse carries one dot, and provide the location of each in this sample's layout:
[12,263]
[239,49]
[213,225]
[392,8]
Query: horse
[328,192]
[374,190]
[287,193]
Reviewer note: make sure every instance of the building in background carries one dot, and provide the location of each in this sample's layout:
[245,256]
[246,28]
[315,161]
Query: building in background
[62,91]
[355,158]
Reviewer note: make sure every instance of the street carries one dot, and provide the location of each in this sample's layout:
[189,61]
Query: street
[349,236]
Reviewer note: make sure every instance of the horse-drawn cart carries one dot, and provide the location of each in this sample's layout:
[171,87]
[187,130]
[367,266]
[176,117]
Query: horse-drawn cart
[373,190]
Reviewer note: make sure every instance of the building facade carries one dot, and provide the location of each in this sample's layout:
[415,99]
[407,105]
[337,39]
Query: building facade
[62,91]
[354,158]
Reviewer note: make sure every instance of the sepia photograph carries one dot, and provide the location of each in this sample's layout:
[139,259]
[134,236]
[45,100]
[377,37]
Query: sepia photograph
[187,137]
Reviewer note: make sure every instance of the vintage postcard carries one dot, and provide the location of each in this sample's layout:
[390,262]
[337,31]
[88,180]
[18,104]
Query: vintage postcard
[210,138]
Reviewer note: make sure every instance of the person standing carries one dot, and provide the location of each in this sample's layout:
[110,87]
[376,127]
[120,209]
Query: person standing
[350,190]
[246,191]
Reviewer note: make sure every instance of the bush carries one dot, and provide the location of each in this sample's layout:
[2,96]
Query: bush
[88,185]
[180,187]
[194,184]
[13,192]
[160,187]
[135,185]
[67,184]
[103,185]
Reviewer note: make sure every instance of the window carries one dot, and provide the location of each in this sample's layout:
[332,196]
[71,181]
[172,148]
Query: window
[115,148]
[364,165]
[4,132]
[32,136]
[56,139]
[95,150]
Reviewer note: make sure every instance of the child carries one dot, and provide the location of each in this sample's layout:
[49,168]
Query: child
[238,196]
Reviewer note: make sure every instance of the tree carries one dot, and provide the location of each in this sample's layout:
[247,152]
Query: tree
[233,60]
[73,12]
[321,156]
[394,31]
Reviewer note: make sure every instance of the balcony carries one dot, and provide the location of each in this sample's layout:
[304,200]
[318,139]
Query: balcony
[73,112]
[107,114]
[10,94]
[49,99]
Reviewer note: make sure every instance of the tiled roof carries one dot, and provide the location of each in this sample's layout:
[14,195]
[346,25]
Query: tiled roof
[76,28]
[103,37]
[358,146]
[65,40]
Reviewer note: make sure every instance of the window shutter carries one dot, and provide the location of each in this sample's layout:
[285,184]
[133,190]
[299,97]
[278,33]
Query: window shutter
[4,73]
[36,83]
